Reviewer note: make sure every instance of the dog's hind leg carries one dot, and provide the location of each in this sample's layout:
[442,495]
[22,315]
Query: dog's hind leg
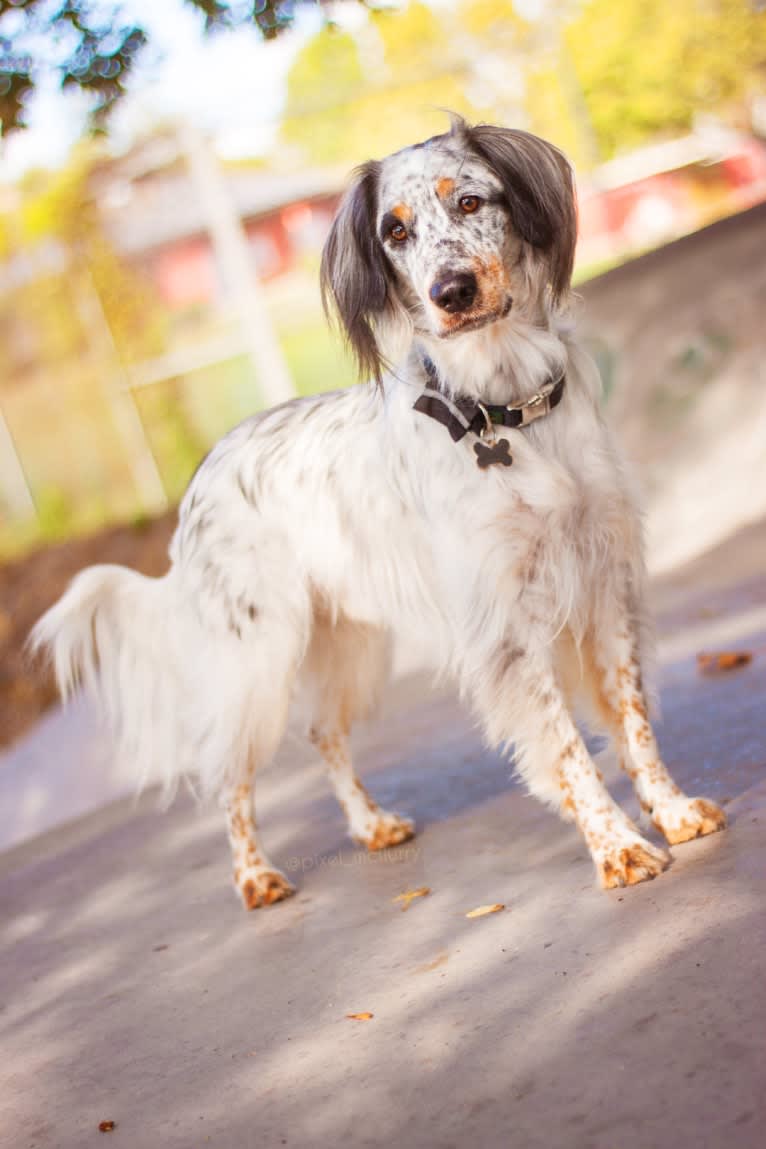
[258,881]
[368,823]
[265,705]
[346,665]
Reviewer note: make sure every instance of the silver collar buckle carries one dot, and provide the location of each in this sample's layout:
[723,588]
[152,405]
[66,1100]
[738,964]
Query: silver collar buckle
[535,408]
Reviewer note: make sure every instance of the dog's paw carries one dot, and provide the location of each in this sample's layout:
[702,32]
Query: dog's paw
[680,819]
[260,886]
[627,863]
[387,830]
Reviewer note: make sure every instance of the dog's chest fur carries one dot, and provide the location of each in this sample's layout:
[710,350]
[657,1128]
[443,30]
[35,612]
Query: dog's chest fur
[389,522]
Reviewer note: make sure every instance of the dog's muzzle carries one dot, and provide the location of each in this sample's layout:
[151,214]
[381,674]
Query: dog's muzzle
[454,292]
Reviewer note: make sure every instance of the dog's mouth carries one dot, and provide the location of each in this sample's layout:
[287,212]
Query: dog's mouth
[472,321]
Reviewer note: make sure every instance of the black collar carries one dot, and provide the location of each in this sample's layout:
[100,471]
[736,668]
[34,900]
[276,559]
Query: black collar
[461,414]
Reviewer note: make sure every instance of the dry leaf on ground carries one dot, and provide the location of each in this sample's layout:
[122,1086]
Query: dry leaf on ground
[106,1126]
[725,660]
[410,895]
[360,1016]
[482,911]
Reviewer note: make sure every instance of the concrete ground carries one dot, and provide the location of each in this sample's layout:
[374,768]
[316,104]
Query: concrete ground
[134,989]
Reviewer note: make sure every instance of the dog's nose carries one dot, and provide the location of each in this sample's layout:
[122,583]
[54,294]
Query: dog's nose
[454,292]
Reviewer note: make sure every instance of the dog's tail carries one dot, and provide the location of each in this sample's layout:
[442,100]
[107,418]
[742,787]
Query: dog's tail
[133,642]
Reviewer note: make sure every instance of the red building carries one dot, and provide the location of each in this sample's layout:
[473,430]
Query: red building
[155,216]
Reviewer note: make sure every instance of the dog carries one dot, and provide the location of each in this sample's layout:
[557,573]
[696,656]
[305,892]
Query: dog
[468,496]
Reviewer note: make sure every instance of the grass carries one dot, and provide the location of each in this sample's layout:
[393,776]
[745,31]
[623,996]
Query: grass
[316,358]
[72,457]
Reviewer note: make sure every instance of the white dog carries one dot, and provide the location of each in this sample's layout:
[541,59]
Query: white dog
[470,495]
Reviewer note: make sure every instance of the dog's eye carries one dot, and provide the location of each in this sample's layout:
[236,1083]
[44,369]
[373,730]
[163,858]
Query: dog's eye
[469,204]
[398,233]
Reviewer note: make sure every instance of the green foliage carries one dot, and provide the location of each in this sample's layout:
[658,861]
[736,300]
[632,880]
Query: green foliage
[59,208]
[72,314]
[90,50]
[647,67]
[495,23]
[595,77]
[551,114]
[56,514]
[91,47]
[373,91]
[175,443]
[316,357]
[324,82]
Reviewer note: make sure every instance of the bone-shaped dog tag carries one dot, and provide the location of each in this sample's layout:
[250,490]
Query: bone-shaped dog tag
[498,452]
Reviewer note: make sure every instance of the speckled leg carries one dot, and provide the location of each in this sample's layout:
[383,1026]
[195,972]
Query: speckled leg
[258,881]
[523,700]
[615,680]
[367,822]
[345,666]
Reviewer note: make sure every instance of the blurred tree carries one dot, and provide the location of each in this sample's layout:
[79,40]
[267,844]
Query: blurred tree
[87,44]
[73,316]
[520,75]
[645,68]
[58,209]
[327,74]
[497,44]
[591,75]
[372,90]
[91,46]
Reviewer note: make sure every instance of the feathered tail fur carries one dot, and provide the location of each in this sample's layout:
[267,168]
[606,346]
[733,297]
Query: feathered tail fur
[174,702]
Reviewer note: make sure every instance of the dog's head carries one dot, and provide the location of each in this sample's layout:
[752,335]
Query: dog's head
[451,235]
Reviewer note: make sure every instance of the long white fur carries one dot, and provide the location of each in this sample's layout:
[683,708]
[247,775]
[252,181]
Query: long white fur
[349,516]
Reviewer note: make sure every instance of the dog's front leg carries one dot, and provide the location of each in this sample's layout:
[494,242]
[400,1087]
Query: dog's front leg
[521,701]
[614,673]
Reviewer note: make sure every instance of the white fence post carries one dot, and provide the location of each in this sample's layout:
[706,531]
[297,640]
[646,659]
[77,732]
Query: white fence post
[236,265]
[13,481]
[127,421]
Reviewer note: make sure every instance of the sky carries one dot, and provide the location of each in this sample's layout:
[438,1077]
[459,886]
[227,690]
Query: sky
[230,84]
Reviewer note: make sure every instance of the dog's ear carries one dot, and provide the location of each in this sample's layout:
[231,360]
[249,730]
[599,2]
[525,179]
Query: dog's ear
[353,274]
[539,188]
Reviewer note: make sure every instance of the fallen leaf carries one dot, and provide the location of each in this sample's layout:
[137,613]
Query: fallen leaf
[482,911]
[360,1016]
[106,1126]
[440,959]
[726,660]
[410,895]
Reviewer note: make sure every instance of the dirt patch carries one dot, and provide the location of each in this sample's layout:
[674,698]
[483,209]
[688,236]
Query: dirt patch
[31,584]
